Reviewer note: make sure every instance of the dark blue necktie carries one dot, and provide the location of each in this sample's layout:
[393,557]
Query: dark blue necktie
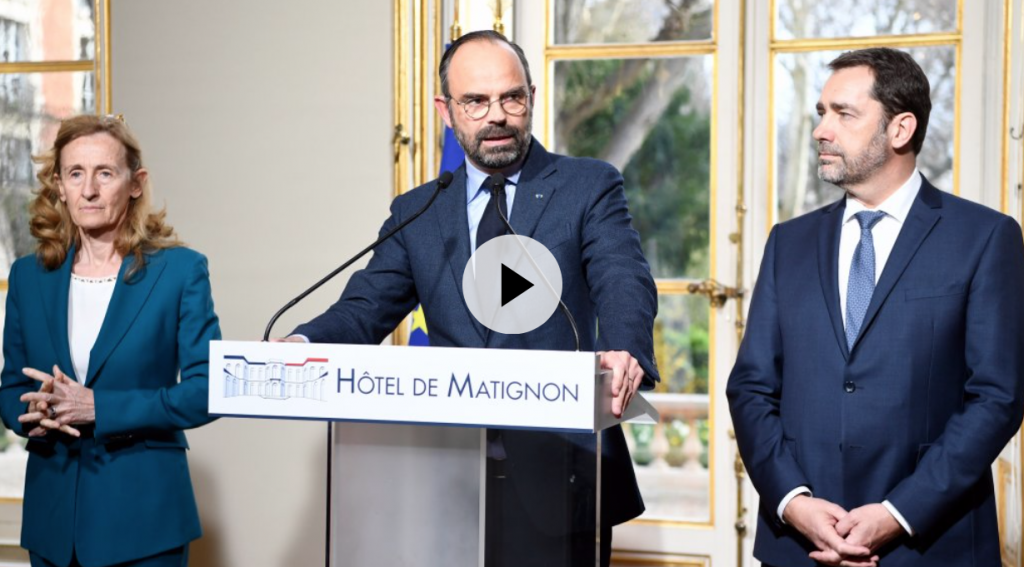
[491,225]
[862,275]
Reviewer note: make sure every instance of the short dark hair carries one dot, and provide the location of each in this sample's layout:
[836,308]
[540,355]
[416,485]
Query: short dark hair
[482,35]
[900,85]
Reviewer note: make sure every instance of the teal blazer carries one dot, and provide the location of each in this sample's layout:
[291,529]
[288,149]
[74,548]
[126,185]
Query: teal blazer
[122,491]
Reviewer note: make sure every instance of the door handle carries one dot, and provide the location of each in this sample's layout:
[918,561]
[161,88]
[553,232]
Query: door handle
[716,293]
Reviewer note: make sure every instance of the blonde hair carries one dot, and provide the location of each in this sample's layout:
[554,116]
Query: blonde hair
[143,229]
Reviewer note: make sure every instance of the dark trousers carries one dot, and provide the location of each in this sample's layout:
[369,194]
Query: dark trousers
[174,558]
[513,539]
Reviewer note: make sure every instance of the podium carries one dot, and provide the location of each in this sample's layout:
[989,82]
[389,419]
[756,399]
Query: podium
[441,456]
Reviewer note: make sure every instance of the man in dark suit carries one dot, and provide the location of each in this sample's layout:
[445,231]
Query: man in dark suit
[881,372]
[577,209]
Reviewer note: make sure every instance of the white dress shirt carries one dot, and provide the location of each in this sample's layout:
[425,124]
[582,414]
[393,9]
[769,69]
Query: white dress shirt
[884,234]
[87,307]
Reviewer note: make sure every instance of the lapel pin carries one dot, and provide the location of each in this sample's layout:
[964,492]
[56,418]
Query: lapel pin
[539,196]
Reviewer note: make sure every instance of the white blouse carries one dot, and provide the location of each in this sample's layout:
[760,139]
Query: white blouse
[87,307]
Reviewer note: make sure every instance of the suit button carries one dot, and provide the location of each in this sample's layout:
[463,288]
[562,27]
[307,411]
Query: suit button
[849,386]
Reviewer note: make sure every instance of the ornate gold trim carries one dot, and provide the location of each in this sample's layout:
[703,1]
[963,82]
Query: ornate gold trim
[400,336]
[648,558]
[625,50]
[956,116]
[3,285]
[48,66]
[108,88]
[841,43]
[1004,197]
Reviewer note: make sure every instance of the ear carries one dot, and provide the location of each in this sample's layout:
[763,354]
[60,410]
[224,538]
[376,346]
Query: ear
[902,129]
[441,104]
[138,180]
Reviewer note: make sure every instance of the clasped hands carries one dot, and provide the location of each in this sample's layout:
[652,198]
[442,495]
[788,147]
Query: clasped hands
[60,403]
[842,539]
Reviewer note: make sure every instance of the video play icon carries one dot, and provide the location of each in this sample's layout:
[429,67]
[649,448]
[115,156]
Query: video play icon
[512,284]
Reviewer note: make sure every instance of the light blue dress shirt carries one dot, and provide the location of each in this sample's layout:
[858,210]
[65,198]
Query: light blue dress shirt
[478,197]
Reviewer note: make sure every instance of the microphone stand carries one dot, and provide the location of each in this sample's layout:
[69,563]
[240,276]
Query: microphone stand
[443,181]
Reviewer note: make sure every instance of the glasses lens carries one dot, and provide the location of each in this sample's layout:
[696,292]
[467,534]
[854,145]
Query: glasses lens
[514,105]
[476,109]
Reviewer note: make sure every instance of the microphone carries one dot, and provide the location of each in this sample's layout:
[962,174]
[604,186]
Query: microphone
[443,181]
[496,183]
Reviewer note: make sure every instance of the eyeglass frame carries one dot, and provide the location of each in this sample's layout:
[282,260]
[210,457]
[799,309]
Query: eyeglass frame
[527,92]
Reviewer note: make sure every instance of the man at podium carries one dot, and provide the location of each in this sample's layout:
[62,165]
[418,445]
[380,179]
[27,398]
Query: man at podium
[540,501]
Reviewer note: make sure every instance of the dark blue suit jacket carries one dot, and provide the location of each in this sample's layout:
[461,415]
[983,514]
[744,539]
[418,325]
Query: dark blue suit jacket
[123,491]
[917,412]
[577,209]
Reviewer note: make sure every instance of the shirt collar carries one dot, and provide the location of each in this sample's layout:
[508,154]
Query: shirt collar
[475,178]
[896,206]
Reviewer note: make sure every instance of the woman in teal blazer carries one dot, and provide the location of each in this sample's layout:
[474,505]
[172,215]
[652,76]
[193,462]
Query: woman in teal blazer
[99,323]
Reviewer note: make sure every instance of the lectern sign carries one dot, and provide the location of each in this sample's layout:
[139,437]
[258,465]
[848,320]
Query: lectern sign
[551,390]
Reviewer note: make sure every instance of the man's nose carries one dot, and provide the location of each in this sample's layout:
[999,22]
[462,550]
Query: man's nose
[822,132]
[497,114]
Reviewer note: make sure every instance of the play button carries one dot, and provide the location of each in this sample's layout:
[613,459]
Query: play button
[512,284]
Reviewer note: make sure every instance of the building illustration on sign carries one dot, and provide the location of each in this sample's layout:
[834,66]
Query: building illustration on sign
[275,379]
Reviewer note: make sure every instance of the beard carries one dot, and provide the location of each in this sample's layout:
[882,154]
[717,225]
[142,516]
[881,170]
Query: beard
[497,157]
[857,169]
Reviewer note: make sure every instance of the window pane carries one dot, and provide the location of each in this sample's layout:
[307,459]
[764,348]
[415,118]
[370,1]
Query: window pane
[651,119]
[804,19]
[31,107]
[47,30]
[671,458]
[631,21]
[799,78]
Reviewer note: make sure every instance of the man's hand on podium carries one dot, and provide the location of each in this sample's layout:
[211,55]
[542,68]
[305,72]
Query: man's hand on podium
[290,339]
[626,378]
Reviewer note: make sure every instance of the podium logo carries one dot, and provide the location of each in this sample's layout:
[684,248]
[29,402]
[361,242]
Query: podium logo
[275,379]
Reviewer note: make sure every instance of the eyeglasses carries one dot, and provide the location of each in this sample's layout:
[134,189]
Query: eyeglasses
[514,104]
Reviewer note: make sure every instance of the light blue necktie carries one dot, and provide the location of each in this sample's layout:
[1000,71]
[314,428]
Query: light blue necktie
[862,275]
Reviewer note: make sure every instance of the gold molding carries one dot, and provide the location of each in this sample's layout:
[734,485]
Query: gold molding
[631,50]
[740,525]
[108,92]
[400,38]
[3,285]
[666,559]
[48,66]
[841,43]
[1004,194]
[438,139]
[419,93]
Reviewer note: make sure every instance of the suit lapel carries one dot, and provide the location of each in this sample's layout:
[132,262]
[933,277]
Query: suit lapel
[55,289]
[533,192]
[828,260]
[923,215]
[453,224]
[124,308]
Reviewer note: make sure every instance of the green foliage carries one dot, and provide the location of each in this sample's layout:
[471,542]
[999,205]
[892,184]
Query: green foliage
[667,182]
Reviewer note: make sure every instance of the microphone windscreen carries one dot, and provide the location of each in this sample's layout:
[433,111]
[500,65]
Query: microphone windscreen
[496,182]
[445,179]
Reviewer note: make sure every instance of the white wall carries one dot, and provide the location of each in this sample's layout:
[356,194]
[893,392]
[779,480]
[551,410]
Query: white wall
[266,126]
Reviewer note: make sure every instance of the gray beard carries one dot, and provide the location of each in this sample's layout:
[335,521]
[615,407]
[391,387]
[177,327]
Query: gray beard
[856,170]
[496,158]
